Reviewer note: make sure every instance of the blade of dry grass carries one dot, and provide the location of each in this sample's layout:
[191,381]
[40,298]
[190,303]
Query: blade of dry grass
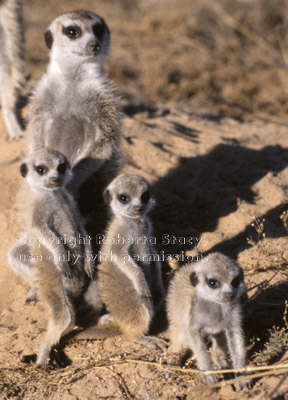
[223,371]
[241,378]
[120,381]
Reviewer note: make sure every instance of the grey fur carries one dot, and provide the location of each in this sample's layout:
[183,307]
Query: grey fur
[12,63]
[196,310]
[57,253]
[126,284]
[74,108]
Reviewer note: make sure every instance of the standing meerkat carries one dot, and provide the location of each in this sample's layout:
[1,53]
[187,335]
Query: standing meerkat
[129,273]
[74,109]
[12,64]
[204,300]
[55,255]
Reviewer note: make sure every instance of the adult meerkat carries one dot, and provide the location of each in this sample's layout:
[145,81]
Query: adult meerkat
[128,275]
[12,63]
[204,299]
[54,256]
[74,109]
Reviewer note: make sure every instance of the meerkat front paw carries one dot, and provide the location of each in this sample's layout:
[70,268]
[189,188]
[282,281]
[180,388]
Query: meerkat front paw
[152,342]
[245,384]
[209,379]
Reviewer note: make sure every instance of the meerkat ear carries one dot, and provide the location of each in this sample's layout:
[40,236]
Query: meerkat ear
[23,169]
[48,39]
[193,279]
[107,196]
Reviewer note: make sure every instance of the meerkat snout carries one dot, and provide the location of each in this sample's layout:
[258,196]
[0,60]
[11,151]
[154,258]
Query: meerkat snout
[138,210]
[93,47]
[55,181]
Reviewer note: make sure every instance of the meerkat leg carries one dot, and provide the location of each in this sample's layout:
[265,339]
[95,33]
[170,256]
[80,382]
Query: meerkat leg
[19,258]
[237,351]
[9,112]
[132,312]
[61,322]
[201,354]
[236,347]
[219,351]
[61,317]
[180,342]
[49,284]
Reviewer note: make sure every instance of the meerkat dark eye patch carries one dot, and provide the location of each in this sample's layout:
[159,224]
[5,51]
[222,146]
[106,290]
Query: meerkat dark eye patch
[107,196]
[213,283]
[40,169]
[123,198]
[193,279]
[61,168]
[99,30]
[23,170]
[72,31]
[145,197]
[48,39]
[236,281]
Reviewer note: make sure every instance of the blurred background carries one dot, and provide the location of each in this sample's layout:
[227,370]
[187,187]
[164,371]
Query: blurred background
[227,56]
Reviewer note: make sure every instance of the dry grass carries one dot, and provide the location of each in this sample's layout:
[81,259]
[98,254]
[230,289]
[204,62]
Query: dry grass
[228,55]
[31,382]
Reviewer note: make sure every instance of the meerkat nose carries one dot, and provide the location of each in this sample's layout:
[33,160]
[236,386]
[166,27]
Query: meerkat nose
[138,210]
[54,181]
[228,296]
[92,46]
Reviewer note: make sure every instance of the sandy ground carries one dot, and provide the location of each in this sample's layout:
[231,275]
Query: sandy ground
[218,166]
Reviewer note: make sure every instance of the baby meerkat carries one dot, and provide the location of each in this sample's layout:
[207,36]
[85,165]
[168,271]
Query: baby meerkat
[54,256]
[74,109]
[130,272]
[204,300]
[12,64]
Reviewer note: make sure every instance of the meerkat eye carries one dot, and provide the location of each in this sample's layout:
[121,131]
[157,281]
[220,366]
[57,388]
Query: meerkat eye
[40,169]
[236,282]
[123,198]
[61,168]
[72,32]
[145,197]
[99,30]
[213,283]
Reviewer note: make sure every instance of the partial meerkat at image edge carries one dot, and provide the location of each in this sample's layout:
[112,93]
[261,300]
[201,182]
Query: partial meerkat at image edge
[12,64]
[204,300]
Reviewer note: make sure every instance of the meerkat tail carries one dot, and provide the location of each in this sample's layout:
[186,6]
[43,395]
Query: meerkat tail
[98,332]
